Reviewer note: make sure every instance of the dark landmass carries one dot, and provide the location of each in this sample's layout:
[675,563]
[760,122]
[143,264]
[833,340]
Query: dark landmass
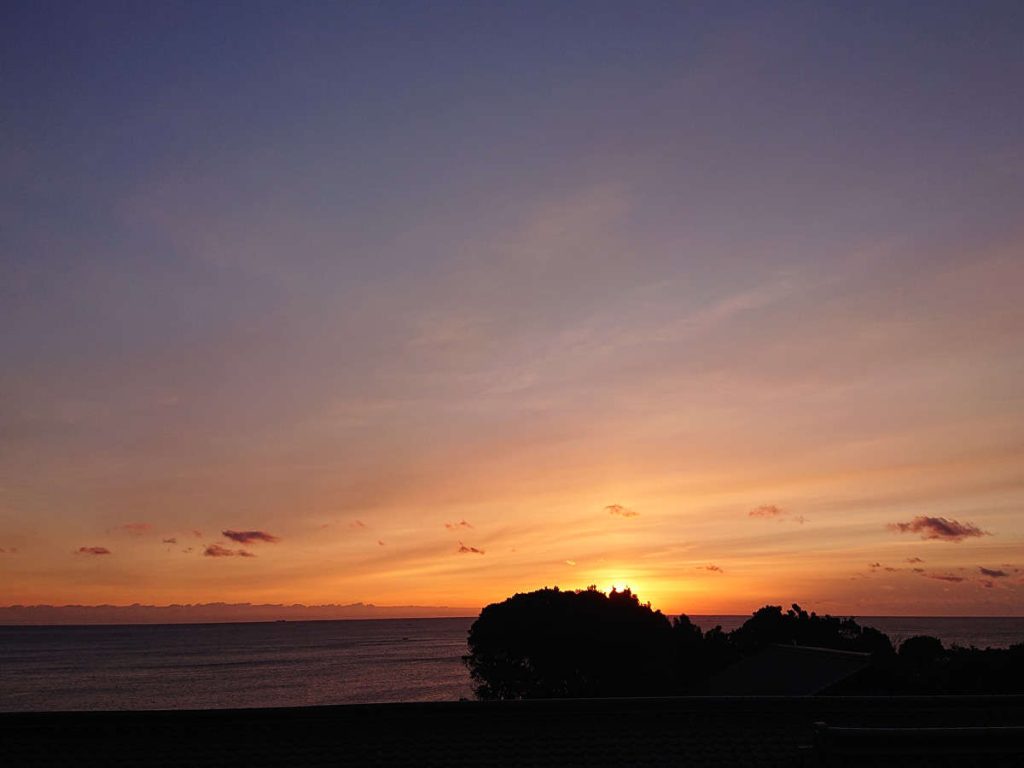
[565,644]
[211,613]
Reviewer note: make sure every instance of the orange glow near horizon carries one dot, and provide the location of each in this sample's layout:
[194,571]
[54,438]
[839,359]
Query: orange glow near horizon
[421,308]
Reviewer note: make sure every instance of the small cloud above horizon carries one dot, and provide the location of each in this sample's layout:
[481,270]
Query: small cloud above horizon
[773,512]
[712,568]
[250,537]
[945,577]
[460,524]
[993,573]
[216,550]
[939,528]
[171,540]
[621,511]
[463,549]
[570,562]
[93,551]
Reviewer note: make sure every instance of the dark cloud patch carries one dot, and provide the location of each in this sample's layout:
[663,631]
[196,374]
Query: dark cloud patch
[171,540]
[621,511]
[993,573]
[712,568]
[460,524]
[250,537]
[216,550]
[917,570]
[93,551]
[939,528]
[873,566]
[987,584]
[890,569]
[946,577]
[197,534]
[914,560]
[380,542]
[8,551]
[463,549]
[357,524]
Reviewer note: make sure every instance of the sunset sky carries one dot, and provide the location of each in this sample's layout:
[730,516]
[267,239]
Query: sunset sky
[429,303]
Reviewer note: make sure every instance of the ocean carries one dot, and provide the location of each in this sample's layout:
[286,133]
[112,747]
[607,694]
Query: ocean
[303,663]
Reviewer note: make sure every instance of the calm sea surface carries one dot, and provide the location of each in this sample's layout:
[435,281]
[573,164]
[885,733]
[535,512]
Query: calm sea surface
[199,666]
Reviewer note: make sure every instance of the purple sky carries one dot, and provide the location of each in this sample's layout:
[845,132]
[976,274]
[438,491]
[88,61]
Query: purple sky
[286,268]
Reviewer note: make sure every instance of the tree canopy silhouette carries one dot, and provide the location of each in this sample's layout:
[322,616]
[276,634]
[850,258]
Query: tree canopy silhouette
[769,625]
[553,643]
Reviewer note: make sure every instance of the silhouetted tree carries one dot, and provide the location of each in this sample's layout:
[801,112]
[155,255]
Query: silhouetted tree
[769,625]
[551,643]
[699,655]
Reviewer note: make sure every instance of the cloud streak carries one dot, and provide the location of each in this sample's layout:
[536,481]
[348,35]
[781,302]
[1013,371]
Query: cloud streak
[621,511]
[773,512]
[250,537]
[463,549]
[460,524]
[93,551]
[216,550]
[993,573]
[939,528]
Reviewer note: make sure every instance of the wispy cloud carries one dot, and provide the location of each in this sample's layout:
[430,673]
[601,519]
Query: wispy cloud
[250,537]
[993,573]
[460,524]
[465,550]
[914,560]
[171,540]
[712,568]
[570,562]
[216,550]
[357,524]
[93,551]
[946,577]
[772,512]
[939,528]
[621,511]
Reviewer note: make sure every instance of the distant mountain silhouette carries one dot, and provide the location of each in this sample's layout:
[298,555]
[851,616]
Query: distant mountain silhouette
[200,613]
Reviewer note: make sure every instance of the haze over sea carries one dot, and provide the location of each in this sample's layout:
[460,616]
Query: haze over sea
[201,666]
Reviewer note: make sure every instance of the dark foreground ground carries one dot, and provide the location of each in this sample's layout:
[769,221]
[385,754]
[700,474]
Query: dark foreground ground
[720,731]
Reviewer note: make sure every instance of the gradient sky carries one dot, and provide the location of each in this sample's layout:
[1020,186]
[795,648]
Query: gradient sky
[458,300]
